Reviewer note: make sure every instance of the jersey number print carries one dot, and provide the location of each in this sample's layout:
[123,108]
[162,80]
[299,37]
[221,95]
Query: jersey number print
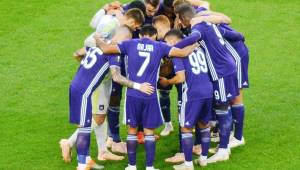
[198,61]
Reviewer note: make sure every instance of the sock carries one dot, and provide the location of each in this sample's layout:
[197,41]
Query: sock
[187,145]
[164,100]
[113,122]
[101,135]
[150,149]
[238,113]
[225,121]
[205,140]
[131,149]
[180,141]
[83,145]
[197,136]
[72,138]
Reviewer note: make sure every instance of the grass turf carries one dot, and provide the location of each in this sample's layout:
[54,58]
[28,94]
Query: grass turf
[37,39]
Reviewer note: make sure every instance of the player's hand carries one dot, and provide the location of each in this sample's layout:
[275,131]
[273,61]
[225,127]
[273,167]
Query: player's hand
[163,81]
[146,88]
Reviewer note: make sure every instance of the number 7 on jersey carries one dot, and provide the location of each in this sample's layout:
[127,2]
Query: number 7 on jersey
[145,64]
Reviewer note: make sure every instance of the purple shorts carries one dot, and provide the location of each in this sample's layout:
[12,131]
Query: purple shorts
[225,89]
[146,112]
[194,111]
[244,65]
[80,107]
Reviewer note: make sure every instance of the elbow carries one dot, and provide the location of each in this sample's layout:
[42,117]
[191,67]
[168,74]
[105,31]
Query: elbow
[228,20]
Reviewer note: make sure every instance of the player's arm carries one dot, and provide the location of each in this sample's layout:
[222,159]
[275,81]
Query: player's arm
[117,77]
[231,34]
[103,11]
[177,52]
[79,54]
[97,17]
[199,3]
[177,79]
[106,48]
[212,17]
[186,46]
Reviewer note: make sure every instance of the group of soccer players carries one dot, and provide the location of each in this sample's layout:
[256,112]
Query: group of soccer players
[149,46]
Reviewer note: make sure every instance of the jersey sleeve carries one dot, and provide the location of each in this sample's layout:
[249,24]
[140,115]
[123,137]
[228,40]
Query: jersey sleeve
[123,46]
[164,49]
[231,34]
[191,39]
[178,64]
[198,28]
[97,17]
[114,61]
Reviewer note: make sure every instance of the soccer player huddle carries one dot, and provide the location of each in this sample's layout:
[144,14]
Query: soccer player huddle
[149,46]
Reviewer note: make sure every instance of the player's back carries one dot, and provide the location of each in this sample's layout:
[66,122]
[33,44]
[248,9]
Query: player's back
[198,84]
[238,45]
[220,60]
[92,70]
[143,61]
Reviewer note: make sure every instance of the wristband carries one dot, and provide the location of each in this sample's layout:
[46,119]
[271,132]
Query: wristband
[137,86]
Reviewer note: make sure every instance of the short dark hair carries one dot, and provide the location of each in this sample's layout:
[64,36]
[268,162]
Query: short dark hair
[168,3]
[153,3]
[185,11]
[136,14]
[174,32]
[137,4]
[148,30]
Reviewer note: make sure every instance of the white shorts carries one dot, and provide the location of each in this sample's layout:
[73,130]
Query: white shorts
[101,96]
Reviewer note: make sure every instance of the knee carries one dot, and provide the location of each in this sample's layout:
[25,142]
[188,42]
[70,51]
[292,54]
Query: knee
[99,119]
[186,130]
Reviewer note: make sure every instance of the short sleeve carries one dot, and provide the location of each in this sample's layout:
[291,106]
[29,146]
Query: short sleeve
[164,49]
[197,29]
[123,46]
[114,60]
[178,64]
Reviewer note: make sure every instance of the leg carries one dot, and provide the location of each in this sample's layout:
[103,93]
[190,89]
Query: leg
[150,146]
[238,113]
[164,100]
[131,147]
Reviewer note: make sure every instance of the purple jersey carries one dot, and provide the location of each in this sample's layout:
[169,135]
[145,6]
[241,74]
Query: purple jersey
[93,68]
[198,84]
[235,38]
[144,56]
[219,59]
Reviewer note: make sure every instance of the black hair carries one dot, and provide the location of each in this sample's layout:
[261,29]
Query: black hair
[185,11]
[148,30]
[168,3]
[153,3]
[174,32]
[137,4]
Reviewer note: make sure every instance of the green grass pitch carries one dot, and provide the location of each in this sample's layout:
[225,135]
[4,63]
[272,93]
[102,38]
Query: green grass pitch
[37,39]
